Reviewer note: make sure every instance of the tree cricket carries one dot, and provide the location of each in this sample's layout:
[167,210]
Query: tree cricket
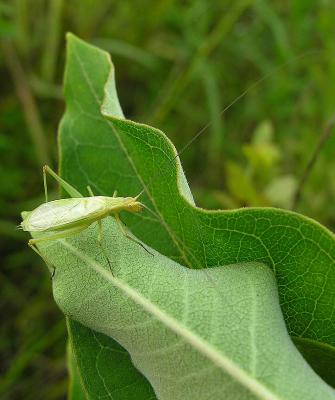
[63,218]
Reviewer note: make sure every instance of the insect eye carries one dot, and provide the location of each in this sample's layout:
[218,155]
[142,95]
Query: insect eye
[136,207]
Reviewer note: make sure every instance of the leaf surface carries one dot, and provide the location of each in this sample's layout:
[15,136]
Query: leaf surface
[102,368]
[109,153]
[189,337]
[76,388]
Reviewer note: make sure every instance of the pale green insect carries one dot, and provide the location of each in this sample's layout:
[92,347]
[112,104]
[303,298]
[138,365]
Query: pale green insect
[65,217]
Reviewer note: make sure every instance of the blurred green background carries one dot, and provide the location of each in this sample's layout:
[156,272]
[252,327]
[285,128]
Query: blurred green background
[178,64]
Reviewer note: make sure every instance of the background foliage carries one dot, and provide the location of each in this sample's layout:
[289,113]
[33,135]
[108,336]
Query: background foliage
[177,64]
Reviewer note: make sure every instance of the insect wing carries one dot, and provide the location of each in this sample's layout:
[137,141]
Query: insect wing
[61,213]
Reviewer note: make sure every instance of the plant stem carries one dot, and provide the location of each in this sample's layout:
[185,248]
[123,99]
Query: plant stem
[27,101]
[22,26]
[217,35]
[308,169]
[29,352]
[52,40]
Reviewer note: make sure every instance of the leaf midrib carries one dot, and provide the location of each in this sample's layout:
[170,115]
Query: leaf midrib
[198,343]
[170,232]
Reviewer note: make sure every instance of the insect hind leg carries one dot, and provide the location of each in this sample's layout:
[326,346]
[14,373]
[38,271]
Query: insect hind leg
[66,186]
[54,236]
[90,191]
[51,267]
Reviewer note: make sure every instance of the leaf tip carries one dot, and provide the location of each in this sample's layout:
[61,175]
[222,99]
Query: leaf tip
[70,37]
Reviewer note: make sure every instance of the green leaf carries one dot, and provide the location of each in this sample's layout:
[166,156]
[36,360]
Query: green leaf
[119,154]
[192,333]
[76,388]
[84,341]
[104,367]
[324,354]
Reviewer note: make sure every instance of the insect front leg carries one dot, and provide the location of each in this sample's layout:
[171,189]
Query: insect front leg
[126,234]
[100,231]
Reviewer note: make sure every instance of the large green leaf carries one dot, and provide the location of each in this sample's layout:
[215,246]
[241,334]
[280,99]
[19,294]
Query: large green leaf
[194,334]
[111,153]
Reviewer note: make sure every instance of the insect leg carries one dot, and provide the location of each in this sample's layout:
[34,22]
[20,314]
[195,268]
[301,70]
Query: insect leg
[126,234]
[45,184]
[90,191]
[33,247]
[59,235]
[115,193]
[66,186]
[101,245]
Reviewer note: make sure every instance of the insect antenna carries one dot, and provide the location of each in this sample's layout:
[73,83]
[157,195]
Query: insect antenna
[271,73]
[177,154]
[140,194]
[263,78]
[247,90]
[145,206]
[149,209]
